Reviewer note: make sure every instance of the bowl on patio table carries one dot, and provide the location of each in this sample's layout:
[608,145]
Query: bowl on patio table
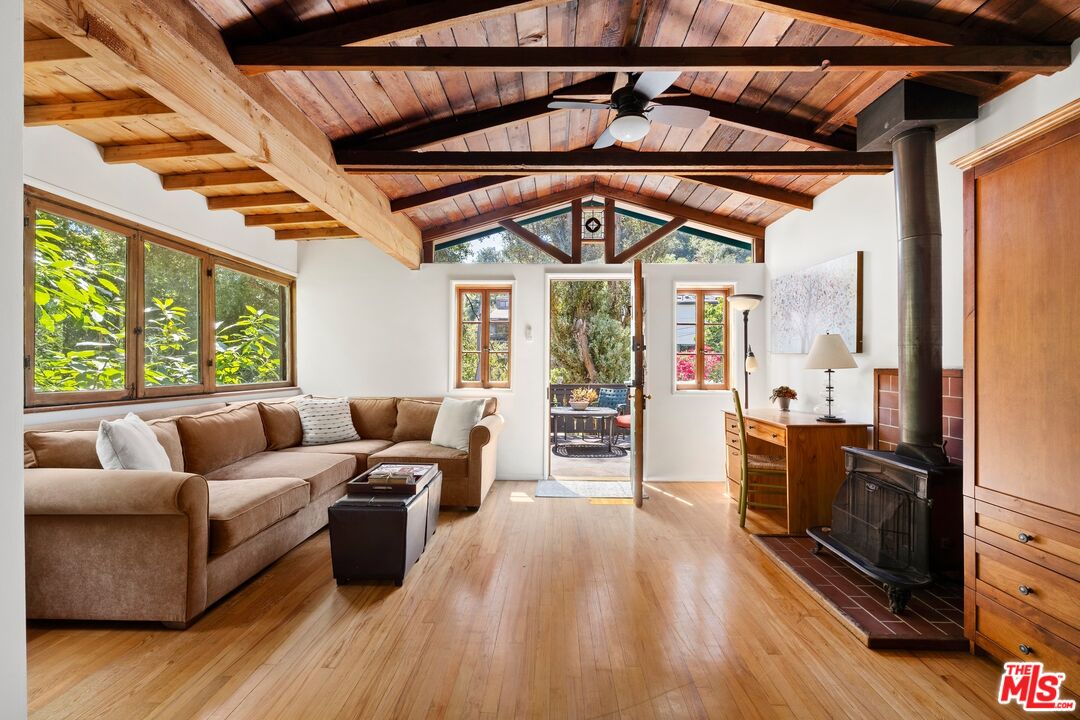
[579,404]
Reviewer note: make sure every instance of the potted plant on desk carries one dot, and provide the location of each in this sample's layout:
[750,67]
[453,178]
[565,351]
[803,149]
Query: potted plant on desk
[784,395]
[582,397]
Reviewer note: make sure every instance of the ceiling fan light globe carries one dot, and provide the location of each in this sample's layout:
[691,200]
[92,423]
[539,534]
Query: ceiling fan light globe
[630,127]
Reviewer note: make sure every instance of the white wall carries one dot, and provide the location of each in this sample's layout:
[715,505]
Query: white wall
[368,326]
[860,214]
[12,599]
[67,164]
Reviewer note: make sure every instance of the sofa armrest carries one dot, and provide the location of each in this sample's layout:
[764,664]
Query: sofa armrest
[486,431]
[115,545]
[79,491]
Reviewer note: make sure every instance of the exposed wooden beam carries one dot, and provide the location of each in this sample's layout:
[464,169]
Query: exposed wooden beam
[51,51]
[494,217]
[321,233]
[367,27]
[176,53]
[721,222]
[650,240]
[372,162]
[576,218]
[771,124]
[217,178]
[255,59]
[866,20]
[300,218]
[470,123]
[115,154]
[447,192]
[850,101]
[71,113]
[609,230]
[535,240]
[773,194]
[261,200]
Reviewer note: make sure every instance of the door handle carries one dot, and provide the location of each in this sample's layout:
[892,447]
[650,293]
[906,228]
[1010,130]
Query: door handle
[648,397]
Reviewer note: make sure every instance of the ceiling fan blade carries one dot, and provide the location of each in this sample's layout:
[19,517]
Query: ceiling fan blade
[678,115]
[651,84]
[575,105]
[605,140]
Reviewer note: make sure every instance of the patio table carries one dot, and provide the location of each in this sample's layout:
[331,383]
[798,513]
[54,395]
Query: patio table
[560,413]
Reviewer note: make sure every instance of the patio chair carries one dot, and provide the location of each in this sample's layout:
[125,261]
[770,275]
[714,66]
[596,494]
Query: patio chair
[759,465]
[618,400]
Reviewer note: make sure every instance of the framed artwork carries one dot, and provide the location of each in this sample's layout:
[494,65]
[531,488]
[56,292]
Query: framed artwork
[826,297]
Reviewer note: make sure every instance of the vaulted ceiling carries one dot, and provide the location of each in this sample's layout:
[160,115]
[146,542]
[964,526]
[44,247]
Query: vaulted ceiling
[377,107]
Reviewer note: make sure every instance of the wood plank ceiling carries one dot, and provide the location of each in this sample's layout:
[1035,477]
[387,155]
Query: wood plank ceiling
[483,111]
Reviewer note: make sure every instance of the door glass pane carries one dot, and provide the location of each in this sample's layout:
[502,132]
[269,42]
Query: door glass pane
[686,308]
[685,338]
[470,336]
[470,367]
[686,368]
[250,326]
[170,317]
[498,367]
[499,306]
[714,309]
[714,338]
[714,369]
[499,337]
[470,306]
[80,307]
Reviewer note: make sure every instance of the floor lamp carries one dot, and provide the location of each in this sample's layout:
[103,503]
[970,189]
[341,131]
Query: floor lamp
[744,303]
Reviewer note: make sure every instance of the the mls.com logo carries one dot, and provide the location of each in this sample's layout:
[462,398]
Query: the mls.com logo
[1032,689]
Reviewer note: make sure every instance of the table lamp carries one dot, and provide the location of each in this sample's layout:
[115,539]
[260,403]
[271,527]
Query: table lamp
[744,303]
[829,353]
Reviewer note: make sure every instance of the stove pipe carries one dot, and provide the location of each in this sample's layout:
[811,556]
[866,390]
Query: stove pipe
[918,214]
[908,119]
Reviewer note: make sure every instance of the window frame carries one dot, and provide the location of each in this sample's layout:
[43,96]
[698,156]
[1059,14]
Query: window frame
[483,336]
[699,384]
[135,388]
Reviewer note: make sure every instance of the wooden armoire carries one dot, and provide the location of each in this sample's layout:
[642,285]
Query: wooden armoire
[1022,396]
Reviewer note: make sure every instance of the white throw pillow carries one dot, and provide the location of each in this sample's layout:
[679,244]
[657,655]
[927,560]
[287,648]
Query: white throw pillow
[325,420]
[455,422]
[130,444]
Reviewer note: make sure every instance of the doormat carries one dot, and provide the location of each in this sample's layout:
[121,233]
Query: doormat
[933,619]
[553,488]
[593,452]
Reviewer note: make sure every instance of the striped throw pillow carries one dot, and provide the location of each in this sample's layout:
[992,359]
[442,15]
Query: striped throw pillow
[325,420]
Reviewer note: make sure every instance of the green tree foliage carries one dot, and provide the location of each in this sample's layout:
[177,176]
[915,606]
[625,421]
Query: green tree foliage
[501,246]
[590,331]
[80,313]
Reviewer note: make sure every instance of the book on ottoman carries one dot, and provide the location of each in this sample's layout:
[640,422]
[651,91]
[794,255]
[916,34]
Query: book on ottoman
[392,479]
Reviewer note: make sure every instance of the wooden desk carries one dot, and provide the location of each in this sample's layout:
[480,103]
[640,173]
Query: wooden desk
[815,460]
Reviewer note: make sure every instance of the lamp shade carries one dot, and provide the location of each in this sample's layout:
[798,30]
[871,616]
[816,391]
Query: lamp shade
[744,301]
[751,363]
[630,127]
[829,353]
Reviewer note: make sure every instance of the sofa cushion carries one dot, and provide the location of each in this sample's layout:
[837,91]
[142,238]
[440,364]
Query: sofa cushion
[358,448]
[281,424]
[241,509]
[323,471]
[326,421]
[374,418]
[130,444]
[415,419]
[216,439]
[78,448]
[169,437]
[453,463]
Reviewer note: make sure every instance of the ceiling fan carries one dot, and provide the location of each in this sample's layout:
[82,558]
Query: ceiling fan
[636,110]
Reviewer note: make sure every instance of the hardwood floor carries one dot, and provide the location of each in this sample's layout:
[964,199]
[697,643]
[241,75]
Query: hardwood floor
[529,608]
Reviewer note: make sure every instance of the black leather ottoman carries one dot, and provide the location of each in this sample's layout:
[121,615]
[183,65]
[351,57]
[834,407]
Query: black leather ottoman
[380,537]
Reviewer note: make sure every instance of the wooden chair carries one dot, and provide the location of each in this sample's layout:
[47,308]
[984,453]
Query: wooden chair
[760,465]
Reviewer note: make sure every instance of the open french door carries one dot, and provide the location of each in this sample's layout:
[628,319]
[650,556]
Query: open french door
[637,424]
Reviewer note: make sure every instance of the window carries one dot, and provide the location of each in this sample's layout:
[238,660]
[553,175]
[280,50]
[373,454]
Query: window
[116,312]
[701,338]
[483,337]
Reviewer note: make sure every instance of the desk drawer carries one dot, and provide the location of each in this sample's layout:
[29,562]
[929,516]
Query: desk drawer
[732,440]
[1032,539]
[768,432]
[1031,584]
[734,464]
[1015,635]
[731,424]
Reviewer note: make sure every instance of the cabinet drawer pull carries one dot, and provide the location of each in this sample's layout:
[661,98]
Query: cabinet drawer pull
[1025,590]
[775,435]
[1025,649]
[1024,537]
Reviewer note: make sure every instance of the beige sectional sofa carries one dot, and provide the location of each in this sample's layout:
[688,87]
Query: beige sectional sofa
[163,546]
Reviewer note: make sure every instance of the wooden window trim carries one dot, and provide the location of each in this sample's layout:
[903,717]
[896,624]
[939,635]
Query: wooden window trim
[699,382]
[485,292]
[135,389]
